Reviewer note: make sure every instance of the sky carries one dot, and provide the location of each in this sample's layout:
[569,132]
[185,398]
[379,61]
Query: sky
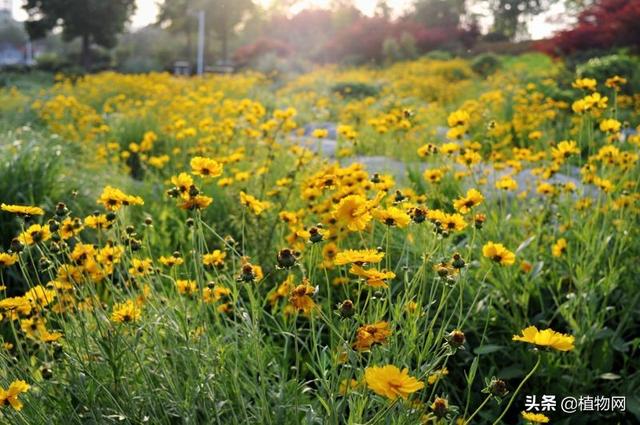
[540,26]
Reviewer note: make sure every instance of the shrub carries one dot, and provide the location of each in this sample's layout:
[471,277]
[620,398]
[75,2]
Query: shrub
[485,64]
[355,90]
[604,67]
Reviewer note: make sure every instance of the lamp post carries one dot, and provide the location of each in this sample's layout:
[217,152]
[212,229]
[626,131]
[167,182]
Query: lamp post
[200,58]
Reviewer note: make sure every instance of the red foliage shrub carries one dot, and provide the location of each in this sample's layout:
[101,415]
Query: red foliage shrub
[246,54]
[606,24]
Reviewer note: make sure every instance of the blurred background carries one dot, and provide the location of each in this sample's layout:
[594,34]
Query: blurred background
[289,36]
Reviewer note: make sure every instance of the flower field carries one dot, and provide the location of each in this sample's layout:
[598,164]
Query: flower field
[413,244]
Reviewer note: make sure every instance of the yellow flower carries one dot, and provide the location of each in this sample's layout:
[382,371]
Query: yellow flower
[113,199]
[70,227]
[585,83]
[375,278]
[433,176]
[472,199]
[183,183]
[173,260]
[506,183]
[536,418]
[187,287]
[34,234]
[369,335]
[546,338]
[546,189]
[126,312]
[390,382]
[392,216]
[206,167]
[255,205]
[216,258]
[7,260]
[610,125]
[559,248]
[354,212]
[141,267]
[22,209]
[358,256]
[498,253]
[320,133]
[300,297]
[10,395]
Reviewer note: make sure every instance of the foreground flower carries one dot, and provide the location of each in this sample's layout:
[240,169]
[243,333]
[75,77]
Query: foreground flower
[388,381]
[34,234]
[546,338]
[22,210]
[7,260]
[10,395]
[536,418]
[354,212]
[498,253]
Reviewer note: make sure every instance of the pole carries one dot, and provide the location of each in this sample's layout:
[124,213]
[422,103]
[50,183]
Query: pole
[201,42]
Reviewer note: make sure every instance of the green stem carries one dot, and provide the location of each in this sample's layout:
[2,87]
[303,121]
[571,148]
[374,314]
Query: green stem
[486,400]
[513,397]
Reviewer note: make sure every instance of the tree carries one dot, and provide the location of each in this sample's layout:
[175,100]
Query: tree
[221,16]
[94,21]
[439,13]
[175,16]
[508,14]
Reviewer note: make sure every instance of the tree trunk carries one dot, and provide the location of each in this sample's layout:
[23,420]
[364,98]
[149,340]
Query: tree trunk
[86,52]
[189,42]
[225,36]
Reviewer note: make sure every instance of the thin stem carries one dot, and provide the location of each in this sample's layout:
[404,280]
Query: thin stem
[513,397]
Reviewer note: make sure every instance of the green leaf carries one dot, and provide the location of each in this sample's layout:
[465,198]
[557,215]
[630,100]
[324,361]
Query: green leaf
[487,349]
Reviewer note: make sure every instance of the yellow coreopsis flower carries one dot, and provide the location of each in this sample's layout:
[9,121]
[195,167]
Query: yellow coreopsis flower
[22,210]
[465,203]
[10,395]
[498,253]
[546,338]
[7,260]
[255,205]
[358,256]
[536,418]
[559,248]
[390,382]
[354,212]
[206,167]
[126,312]
[392,216]
[34,234]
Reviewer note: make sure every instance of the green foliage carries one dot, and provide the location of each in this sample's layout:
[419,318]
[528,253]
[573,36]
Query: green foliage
[355,89]
[94,21]
[485,64]
[605,67]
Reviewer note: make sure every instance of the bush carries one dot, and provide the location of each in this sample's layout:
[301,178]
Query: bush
[604,25]
[607,66]
[355,90]
[485,64]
